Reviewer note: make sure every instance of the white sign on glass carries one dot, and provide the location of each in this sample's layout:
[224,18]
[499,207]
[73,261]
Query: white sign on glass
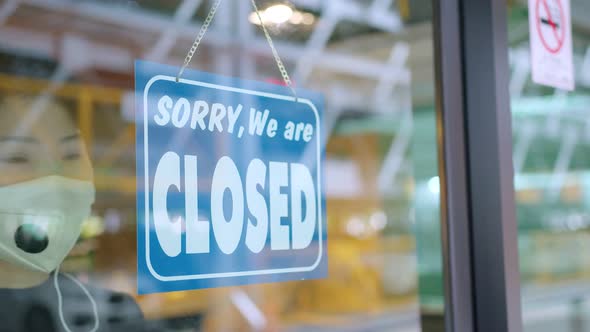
[551,43]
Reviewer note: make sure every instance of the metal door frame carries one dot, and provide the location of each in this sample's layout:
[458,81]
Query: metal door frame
[479,230]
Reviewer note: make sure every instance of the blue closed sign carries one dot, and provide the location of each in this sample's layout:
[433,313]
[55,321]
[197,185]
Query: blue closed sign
[229,181]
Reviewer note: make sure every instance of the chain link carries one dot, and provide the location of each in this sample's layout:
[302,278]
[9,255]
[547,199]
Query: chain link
[275,53]
[203,31]
[197,42]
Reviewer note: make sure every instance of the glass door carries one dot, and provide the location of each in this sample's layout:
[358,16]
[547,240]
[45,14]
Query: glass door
[551,164]
[67,120]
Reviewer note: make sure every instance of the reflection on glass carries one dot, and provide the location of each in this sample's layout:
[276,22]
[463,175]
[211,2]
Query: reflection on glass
[552,184]
[373,63]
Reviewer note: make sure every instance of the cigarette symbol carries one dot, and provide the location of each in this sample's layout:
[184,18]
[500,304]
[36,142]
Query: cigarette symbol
[549,22]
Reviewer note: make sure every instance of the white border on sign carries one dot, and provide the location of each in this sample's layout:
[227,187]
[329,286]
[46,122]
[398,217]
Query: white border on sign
[147,185]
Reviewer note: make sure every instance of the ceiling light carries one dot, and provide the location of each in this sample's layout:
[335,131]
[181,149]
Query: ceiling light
[296,18]
[253,18]
[277,14]
[308,19]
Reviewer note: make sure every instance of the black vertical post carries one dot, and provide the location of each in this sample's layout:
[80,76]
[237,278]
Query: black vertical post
[475,147]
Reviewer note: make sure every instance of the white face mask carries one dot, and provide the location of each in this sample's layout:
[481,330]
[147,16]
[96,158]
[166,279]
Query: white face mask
[41,220]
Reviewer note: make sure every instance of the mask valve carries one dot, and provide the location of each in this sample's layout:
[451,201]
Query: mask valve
[31,238]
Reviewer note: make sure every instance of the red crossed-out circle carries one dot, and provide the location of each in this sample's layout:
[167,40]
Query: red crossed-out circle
[558,31]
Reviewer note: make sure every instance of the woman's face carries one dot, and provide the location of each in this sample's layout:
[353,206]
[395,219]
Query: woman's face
[39,141]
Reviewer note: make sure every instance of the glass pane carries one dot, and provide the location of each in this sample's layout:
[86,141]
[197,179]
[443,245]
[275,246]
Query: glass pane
[551,149]
[68,176]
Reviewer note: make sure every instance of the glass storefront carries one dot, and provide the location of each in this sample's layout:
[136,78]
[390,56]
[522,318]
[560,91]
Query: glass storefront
[67,156]
[68,181]
[550,135]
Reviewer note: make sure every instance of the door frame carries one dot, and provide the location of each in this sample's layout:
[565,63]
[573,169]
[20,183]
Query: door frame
[478,214]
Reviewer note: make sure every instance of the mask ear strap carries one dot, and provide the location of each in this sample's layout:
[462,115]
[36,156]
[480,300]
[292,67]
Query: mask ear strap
[60,301]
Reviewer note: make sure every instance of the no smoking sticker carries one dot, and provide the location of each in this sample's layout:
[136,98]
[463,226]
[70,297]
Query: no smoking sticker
[551,43]
[550,24]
